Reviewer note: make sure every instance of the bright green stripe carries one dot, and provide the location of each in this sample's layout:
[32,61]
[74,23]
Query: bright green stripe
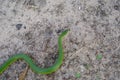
[32,65]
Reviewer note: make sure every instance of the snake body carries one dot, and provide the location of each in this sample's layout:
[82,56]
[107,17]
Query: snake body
[31,63]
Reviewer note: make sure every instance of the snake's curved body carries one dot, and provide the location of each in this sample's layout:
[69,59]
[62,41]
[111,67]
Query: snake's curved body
[32,65]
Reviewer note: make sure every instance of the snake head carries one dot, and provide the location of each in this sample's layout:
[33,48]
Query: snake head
[64,32]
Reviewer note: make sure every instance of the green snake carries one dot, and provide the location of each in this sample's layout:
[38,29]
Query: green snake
[31,63]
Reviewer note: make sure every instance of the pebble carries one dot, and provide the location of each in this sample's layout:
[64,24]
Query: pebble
[19,26]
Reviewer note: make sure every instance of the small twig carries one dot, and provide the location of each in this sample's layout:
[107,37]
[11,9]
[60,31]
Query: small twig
[23,74]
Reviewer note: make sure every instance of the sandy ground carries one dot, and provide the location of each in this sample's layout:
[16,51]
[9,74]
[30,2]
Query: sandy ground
[33,27]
